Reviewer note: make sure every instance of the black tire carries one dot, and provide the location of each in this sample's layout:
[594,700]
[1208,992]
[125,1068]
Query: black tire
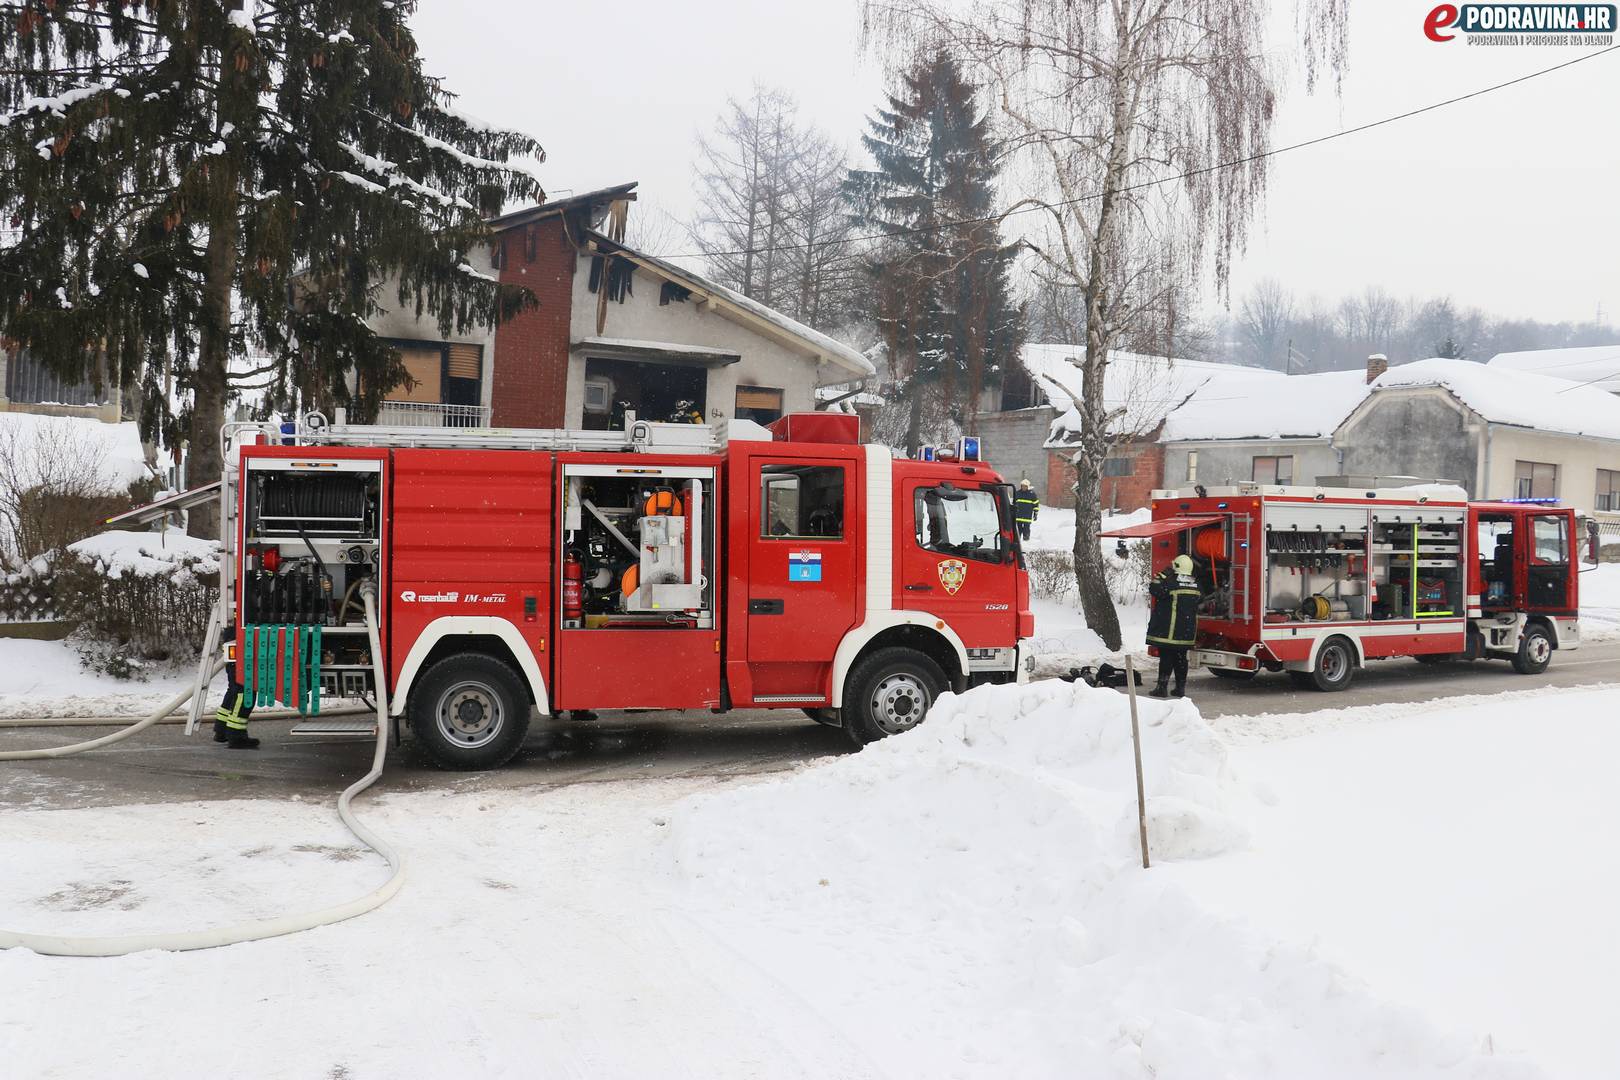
[1231,673]
[889,691]
[829,717]
[1535,650]
[1335,665]
[469,711]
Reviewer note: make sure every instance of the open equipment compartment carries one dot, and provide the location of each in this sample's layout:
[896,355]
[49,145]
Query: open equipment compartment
[1316,563]
[1418,564]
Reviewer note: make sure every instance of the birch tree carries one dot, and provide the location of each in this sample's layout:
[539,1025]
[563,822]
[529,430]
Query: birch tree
[1125,115]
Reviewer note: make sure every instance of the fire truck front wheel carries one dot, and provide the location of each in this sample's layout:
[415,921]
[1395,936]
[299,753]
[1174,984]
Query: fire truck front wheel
[888,692]
[1535,650]
[469,711]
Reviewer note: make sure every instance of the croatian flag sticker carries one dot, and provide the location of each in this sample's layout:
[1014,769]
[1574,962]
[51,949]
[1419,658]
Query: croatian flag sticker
[804,566]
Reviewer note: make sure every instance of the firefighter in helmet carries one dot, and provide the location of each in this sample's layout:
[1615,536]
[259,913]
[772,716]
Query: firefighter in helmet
[1026,506]
[1173,623]
[231,718]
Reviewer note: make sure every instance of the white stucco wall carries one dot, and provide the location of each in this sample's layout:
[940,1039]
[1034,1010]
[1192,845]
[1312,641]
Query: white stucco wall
[1578,460]
[396,322]
[765,362]
[1222,461]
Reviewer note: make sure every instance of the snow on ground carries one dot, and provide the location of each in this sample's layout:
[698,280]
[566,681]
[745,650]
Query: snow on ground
[1461,860]
[115,448]
[45,679]
[1062,639]
[1600,602]
[962,901]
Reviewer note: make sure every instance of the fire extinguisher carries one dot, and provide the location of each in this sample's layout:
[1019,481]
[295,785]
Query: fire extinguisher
[573,586]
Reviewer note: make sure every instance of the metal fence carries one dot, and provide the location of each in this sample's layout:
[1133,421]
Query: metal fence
[28,382]
[431,415]
[1601,539]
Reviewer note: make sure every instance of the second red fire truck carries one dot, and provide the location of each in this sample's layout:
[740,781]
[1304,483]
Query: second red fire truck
[651,568]
[1317,581]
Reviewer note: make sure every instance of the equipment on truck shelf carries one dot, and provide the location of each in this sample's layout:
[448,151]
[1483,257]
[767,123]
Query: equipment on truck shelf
[1317,581]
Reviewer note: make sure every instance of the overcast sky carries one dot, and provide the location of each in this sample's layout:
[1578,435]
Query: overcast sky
[1507,201]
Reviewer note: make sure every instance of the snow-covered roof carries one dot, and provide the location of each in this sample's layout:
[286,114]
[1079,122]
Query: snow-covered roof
[1198,399]
[1595,365]
[1502,395]
[828,347]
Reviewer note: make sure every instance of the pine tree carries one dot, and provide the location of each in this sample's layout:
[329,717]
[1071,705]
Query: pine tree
[942,291]
[189,178]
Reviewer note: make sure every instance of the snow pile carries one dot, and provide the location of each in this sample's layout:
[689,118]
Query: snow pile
[146,554]
[966,900]
[113,449]
[44,679]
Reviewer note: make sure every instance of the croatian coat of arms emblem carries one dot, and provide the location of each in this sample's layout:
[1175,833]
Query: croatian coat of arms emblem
[952,573]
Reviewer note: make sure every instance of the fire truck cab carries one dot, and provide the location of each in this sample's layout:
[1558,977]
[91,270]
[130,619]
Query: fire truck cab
[1319,581]
[660,567]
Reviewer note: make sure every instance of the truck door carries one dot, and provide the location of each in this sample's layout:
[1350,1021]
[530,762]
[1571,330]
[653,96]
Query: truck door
[959,560]
[1547,564]
[801,573]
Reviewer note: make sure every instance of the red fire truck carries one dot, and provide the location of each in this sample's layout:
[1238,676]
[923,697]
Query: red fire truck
[1318,581]
[658,567]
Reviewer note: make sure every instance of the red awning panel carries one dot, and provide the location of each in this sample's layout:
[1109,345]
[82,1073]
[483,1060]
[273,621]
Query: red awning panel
[1162,527]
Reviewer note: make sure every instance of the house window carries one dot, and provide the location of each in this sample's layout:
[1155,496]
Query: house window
[437,373]
[1535,480]
[761,404]
[1608,490]
[1118,466]
[1192,466]
[801,501]
[1274,470]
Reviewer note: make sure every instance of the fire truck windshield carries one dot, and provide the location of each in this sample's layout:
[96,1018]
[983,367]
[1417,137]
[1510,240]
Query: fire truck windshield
[960,521]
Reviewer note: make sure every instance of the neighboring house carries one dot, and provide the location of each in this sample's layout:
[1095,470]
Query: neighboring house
[1594,365]
[1143,395]
[1500,433]
[615,330]
[1261,426]
[27,387]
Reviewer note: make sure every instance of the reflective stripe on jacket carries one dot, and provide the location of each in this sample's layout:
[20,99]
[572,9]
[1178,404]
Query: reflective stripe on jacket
[1026,504]
[1174,620]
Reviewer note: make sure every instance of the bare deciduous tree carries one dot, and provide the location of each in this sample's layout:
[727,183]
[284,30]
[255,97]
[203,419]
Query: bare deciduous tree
[1263,321]
[1126,113]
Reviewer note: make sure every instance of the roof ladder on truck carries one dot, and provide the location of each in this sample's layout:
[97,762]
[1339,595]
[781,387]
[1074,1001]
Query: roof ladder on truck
[1239,557]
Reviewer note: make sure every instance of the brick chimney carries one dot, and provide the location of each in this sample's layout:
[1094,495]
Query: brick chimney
[1377,364]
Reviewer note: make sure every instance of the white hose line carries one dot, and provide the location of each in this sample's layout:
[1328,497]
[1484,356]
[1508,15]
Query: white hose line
[175,717]
[258,930]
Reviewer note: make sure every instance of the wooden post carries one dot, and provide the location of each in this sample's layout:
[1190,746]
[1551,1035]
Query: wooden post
[1136,743]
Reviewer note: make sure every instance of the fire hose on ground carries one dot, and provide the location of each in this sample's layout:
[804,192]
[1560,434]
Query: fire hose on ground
[259,929]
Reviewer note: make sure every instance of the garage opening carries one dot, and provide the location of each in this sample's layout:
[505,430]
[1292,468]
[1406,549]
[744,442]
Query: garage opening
[674,393]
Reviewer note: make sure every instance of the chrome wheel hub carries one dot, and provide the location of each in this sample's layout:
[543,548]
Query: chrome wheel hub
[899,702]
[469,714]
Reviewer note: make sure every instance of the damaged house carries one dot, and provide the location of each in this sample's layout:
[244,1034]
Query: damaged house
[615,330]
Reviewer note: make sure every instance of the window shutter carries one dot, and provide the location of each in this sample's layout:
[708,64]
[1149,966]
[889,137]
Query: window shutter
[758,397]
[466,361]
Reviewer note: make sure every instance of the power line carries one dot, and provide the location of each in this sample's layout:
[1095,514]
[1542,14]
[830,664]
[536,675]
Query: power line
[997,218]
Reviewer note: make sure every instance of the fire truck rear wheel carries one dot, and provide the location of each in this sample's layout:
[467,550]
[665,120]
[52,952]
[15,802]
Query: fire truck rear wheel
[1335,665]
[888,692]
[1535,651]
[470,711]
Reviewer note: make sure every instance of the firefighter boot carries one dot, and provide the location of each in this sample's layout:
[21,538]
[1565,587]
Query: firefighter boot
[221,732]
[1180,690]
[241,740]
[1160,690]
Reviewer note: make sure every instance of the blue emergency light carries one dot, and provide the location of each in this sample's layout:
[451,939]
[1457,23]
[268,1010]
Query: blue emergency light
[927,454]
[967,448]
[1538,501]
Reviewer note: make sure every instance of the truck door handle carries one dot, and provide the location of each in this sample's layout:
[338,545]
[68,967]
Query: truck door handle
[919,588]
[765,607]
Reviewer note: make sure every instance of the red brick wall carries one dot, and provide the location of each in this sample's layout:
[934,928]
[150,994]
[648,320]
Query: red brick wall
[530,377]
[1125,492]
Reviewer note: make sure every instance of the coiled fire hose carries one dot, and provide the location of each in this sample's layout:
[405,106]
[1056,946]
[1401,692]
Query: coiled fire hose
[259,929]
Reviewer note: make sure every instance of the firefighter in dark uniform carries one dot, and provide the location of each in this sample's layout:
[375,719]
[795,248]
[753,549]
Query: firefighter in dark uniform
[1173,623]
[231,718]
[1026,505]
